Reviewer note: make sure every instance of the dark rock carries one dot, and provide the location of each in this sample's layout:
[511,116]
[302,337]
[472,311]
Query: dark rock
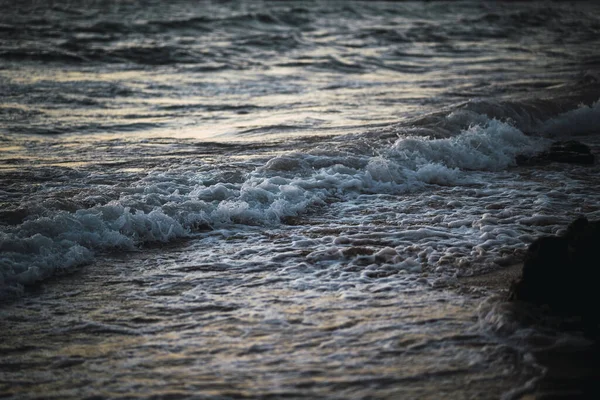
[570,146]
[560,271]
[541,279]
[570,151]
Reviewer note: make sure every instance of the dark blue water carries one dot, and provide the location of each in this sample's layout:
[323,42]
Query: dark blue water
[278,199]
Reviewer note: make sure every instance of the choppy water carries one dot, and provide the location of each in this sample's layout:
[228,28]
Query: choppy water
[266,200]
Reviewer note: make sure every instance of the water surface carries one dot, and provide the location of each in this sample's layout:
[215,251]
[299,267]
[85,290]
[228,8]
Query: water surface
[267,200]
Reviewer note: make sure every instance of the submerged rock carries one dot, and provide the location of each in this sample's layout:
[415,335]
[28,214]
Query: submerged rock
[570,151]
[560,272]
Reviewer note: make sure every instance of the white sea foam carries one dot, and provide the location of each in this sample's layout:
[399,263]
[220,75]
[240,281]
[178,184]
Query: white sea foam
[166,205]
[491,146]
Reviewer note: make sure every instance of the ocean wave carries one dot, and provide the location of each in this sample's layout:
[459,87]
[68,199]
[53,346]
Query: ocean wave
[86,51]
[582,121]
[535,117]
[516,18]
[48,129]
[271,41]
[306,51]
[218,35]
[157,208]
[44,55]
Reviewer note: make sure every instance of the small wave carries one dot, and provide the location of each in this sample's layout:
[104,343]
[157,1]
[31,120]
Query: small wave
[79,52]
[44,55]
[273,129]
[47,129]
[238,109]
[199,23]
[270,41]
[581,121]
[285,186]
[336,63]
[386,35]
[12,114]
[105,27]
[150,55]
[6,28]
[533,117]
[160,54]
[213,67]
[293,17]
[532,17]
[163,206]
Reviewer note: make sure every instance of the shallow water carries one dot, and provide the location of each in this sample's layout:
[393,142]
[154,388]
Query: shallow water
[278,199]
[203,330]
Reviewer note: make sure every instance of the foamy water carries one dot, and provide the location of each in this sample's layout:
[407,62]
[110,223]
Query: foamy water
[278,200]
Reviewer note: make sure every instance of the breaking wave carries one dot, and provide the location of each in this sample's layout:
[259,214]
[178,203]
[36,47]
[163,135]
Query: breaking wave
[159,209]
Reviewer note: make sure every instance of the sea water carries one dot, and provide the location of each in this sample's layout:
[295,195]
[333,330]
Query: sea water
[267,200]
